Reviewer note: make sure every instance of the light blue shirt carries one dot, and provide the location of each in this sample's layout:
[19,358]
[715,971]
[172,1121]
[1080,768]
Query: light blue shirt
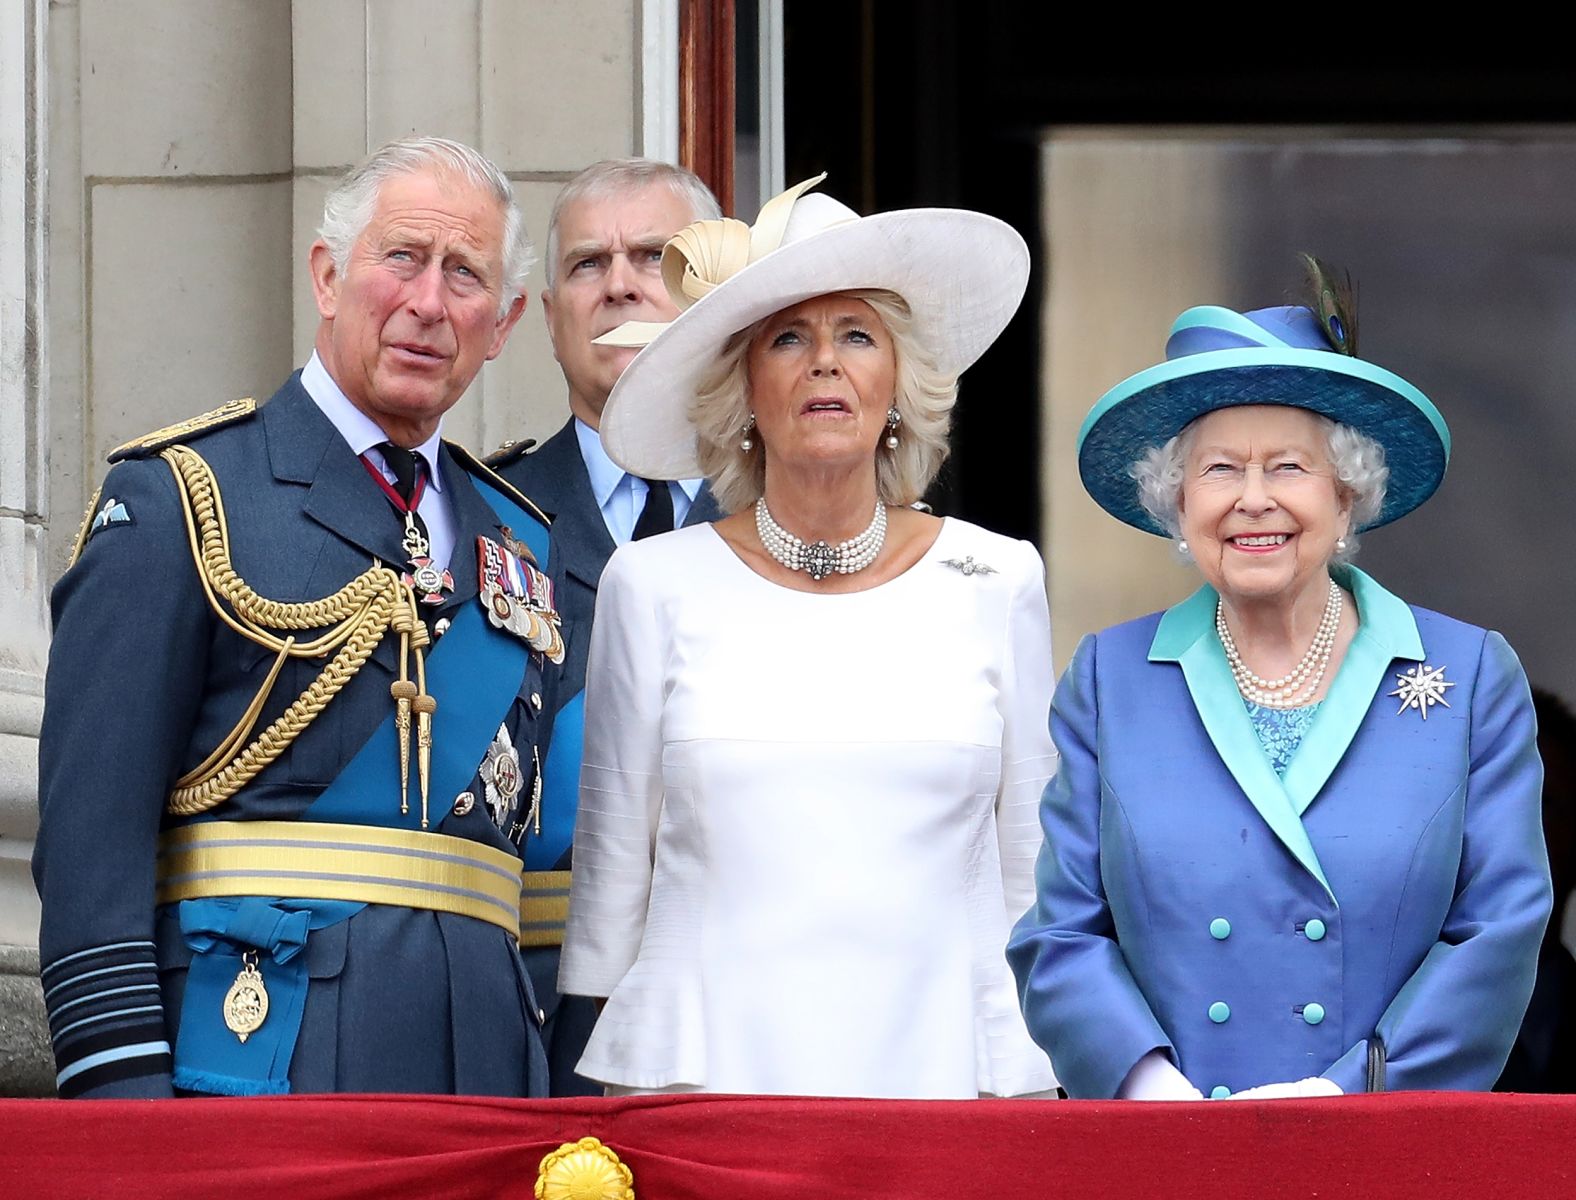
[364,434]
[621,495]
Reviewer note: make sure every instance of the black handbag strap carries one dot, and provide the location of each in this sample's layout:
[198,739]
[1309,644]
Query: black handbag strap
[1376,1063]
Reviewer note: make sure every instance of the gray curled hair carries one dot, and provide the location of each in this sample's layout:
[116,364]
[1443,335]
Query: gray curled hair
[1357,460]
[925,397]
[348,208]
[622,176]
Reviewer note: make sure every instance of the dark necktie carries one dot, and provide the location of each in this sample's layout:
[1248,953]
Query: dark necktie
[657,516]
[408,467]
[405,465]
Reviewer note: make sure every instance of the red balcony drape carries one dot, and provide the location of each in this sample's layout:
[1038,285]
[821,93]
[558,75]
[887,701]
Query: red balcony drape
[1375,1147]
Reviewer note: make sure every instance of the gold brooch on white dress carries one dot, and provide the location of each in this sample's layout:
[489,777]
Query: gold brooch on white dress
[1421,687]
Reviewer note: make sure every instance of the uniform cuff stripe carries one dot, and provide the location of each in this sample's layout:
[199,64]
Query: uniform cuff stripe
[140,1050]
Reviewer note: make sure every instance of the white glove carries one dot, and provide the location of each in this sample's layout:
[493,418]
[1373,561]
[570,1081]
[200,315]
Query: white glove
[1154,1077]
[1314,1085]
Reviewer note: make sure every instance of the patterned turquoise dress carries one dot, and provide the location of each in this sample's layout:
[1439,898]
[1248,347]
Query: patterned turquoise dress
[1281,731]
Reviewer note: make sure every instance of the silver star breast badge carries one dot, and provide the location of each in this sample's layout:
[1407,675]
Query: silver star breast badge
[968,566]
[501,777]
[1420,687]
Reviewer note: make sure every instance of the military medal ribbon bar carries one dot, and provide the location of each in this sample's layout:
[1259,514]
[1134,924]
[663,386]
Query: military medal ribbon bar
[518,597]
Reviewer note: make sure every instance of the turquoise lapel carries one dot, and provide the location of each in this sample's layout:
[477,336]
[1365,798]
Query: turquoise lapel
[1387,630]
[1186,635]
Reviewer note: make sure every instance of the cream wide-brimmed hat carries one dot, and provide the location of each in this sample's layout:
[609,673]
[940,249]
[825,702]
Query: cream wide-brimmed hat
[962,273]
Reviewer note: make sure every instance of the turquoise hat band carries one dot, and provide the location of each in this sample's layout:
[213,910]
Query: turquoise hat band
[1156,404]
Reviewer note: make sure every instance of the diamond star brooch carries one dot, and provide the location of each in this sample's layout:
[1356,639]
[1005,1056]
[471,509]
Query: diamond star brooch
[1421,687]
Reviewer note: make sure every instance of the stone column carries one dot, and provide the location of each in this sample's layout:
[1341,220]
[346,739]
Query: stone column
[24,465]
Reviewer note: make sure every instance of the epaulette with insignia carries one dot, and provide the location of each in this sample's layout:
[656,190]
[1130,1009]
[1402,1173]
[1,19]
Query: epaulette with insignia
[150,444]
[484,470]
[508,453]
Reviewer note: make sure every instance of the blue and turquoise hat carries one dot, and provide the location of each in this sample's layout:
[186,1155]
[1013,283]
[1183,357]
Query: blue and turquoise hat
[1218,358]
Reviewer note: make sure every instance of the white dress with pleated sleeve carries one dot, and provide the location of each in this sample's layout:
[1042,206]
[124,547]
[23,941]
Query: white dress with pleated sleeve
[808,822]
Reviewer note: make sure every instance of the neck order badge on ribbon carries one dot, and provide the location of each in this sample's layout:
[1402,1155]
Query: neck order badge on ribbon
[430,582]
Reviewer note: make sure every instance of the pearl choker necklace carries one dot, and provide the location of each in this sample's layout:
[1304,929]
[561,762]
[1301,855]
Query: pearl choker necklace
[1297,688]
[819,559]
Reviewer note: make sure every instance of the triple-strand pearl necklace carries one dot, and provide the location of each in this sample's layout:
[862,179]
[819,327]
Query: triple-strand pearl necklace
[818,558]
[1298,687]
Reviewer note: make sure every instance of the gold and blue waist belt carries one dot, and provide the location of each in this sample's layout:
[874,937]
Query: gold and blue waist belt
[313,860]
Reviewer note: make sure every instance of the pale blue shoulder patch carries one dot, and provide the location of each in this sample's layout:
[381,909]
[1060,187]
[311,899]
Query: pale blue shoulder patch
[111,512]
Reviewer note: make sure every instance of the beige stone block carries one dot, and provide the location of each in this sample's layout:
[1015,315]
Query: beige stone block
[1123,216]
[185,87]
[189,302]
[68,493]
[522,393]
[422,58]
[307,213]
[558,82]
[329,40]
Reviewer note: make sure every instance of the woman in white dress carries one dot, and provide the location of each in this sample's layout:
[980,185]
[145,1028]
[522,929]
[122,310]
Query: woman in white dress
[816,731]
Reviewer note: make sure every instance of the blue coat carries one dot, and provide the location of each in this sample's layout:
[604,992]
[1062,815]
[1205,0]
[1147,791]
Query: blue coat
[1392,890]
[144,680]
[555,476]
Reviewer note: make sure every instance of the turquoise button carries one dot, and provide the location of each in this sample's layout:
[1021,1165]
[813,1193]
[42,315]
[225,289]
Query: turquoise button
[1315,930]
[1220,929]
[1220,1011]
[1313,1013]
[1220,1092]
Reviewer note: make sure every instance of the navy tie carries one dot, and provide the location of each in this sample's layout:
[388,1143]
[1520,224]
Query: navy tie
[408,467]
[657,516]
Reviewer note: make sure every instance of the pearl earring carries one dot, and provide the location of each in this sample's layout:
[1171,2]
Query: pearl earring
[894,419]
[748,444]
[1182,547]
[1340,545]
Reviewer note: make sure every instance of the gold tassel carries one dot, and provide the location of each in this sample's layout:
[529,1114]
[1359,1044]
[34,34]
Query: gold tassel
[424,706]
[404,692]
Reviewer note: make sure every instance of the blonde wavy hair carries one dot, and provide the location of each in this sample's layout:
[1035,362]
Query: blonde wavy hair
[925,397]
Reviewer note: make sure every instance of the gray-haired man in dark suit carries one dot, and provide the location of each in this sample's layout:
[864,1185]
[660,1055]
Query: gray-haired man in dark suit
[604,250]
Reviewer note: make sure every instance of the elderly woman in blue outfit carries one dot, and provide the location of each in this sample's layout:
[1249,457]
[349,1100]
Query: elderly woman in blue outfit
[1293,848]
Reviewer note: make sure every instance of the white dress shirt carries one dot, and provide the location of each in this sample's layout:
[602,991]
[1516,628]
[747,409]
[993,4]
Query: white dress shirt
[364,434]
[620,495]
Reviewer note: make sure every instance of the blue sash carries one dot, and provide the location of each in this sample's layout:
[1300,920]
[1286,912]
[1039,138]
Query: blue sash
[560,788]
[475,673]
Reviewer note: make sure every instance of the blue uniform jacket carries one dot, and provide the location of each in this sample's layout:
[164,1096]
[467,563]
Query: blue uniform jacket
[144,681]
[1392,889]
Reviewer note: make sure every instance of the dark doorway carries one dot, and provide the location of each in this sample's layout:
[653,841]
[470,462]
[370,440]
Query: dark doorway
[931,102]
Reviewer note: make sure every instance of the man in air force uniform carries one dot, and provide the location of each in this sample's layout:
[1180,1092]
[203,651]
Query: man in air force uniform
[288,761]
[604,253]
